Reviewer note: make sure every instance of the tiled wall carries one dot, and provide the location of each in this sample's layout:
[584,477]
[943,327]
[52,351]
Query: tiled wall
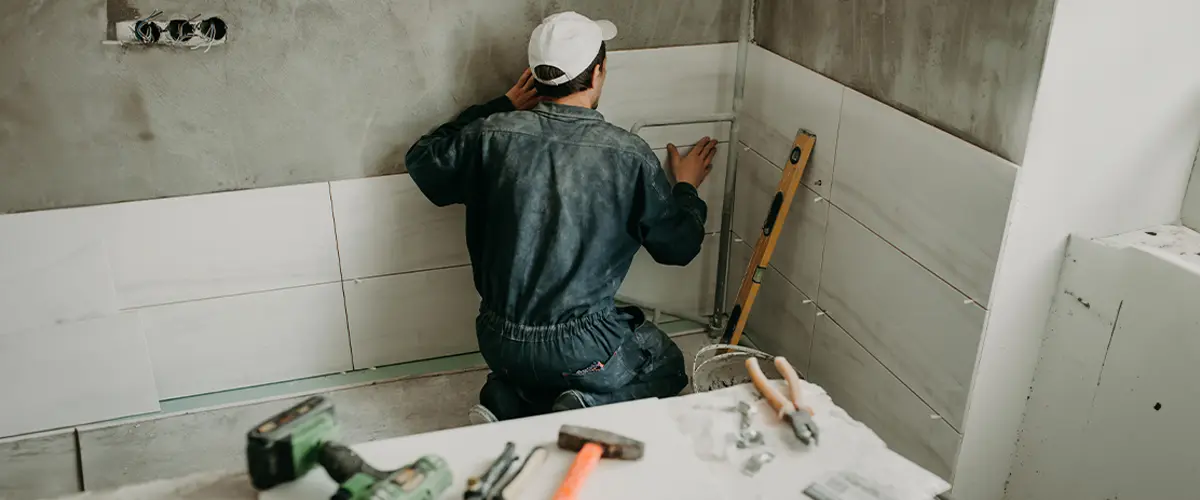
[880,280]
[110,309]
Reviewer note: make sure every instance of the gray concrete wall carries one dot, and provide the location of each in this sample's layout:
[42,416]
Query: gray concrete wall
[305,90]
[970,67]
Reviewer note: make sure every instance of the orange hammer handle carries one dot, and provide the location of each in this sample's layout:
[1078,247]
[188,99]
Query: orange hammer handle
[585,461]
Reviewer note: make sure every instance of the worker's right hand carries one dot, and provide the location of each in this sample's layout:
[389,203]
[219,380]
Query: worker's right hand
[693,167]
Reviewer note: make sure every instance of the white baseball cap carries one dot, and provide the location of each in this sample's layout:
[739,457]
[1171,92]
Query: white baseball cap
[568,41]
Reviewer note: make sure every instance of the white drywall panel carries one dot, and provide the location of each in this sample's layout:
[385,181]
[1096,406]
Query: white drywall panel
[781,321]
[1191,202]
[712,190]
[669,83]
[407,317]
[783,97]
[53,269]
[218,344]
[385,225]
[859,384]
[686,289]
[914,323]
[1111,144]
[1081,324]
[1120,352]
[939,199]
[213,245]
[1148,382]
[802,237]
[39,466]
[73,374]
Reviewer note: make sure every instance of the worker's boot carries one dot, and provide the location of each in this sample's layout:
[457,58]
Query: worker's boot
[479,415]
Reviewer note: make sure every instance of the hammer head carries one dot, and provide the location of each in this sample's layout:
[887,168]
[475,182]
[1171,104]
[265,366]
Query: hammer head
[572,438]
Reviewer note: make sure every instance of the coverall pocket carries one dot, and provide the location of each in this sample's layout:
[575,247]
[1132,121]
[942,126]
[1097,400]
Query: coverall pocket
[618,371]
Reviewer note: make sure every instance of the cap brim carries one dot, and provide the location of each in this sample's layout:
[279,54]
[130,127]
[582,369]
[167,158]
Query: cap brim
[608,30]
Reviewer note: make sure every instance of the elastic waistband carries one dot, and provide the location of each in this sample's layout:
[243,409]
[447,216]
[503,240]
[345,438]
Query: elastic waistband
[494,323]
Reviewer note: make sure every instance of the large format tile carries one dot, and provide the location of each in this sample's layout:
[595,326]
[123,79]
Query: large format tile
[73,374]
[916,324]
[385,225]
[688,289]
[668,83]
[942,201]
[412,316]
[781,319]
[783,97]
[39,466]
[53,269]
[802,238]
[198,247]
[712,190]
[872,395]
[217,344]
[134,452]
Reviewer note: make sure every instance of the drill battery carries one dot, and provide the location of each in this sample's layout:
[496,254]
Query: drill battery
[288,445]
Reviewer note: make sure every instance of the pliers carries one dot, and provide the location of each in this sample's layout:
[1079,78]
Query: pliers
[788,408]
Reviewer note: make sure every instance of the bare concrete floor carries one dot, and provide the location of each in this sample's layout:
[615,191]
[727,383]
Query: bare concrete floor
[209,444]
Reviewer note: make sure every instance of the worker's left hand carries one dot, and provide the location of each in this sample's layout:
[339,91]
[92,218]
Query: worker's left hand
[524,95]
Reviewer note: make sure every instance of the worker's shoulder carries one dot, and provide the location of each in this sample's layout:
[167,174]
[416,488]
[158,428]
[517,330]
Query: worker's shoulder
[598,134]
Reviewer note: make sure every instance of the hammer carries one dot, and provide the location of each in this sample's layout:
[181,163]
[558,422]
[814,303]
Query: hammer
[592,445]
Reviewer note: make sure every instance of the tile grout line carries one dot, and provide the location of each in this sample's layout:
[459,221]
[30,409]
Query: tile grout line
[337,245]
[893,374]
[909,257]
[79,478]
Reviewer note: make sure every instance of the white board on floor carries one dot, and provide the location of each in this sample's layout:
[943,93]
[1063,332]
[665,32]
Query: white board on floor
[219,344]
[74,374]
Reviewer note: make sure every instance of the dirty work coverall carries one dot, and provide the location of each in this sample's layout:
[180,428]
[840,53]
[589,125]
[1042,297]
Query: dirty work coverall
[558,202]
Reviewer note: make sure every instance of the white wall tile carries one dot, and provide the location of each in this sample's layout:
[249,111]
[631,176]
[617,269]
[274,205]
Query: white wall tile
[217,344]
[214,245]
[73,374]
[780,322]
[412,316]
[689,289]
[802,241]
[386,226]
[781,98]
[53,269]
[712,190]
[870,394]
[916,324]
[665,83]
[941,200]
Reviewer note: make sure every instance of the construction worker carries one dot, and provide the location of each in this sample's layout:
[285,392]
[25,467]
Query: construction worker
[558,202]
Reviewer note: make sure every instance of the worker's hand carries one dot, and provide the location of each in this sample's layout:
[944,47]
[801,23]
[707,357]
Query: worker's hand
[524,95]
[693,167]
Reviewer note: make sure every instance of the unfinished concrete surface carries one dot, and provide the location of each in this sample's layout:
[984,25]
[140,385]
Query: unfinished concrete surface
[305,90]
[969,67]
[107,456]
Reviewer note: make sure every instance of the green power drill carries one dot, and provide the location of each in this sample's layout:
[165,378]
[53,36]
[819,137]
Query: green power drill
[286,446]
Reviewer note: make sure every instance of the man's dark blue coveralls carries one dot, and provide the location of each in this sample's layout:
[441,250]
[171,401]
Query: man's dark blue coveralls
[558,202]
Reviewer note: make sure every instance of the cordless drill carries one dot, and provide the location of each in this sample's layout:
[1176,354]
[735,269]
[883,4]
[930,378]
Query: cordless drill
[288,445]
